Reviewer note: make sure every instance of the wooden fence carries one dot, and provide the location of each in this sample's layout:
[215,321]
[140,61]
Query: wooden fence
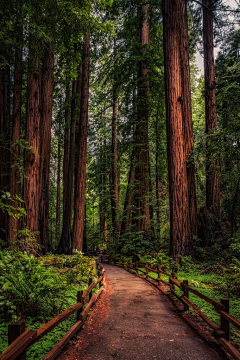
[221,333]
[20,339]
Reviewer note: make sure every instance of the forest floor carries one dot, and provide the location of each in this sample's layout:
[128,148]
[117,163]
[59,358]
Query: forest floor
[133,320]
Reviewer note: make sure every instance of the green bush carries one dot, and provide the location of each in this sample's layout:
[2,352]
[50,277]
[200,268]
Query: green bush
[30,288]
[27,287]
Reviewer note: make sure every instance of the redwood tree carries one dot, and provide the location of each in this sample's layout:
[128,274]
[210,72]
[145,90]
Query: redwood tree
[79,205]
[32,154]
[16,127]
[64,244]
[114,165]
[4,136]
[45,142]
[179,123]
[212,178]
[142,168]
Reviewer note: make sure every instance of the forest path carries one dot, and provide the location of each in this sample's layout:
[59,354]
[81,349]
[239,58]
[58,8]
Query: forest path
[132,320]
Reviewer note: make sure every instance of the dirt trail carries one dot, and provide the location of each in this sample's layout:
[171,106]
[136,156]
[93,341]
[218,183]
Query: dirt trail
[133,321]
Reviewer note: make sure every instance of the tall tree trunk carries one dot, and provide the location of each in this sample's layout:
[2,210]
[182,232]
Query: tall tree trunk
[45,143]
[174,21]
[58,207]
[32,155]
[4,141]
[157,177]
[66,142]
[16,131]
[212,178]
[64,244]
[187,121]
[114,177]
[79,206]
[129,197]
[142,169]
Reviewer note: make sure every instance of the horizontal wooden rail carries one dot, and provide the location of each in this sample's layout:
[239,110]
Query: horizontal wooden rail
[29,337]
[60,345]
[46,328]
[216,304]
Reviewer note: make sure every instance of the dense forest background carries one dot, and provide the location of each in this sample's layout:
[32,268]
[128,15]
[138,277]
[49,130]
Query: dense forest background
[109,134]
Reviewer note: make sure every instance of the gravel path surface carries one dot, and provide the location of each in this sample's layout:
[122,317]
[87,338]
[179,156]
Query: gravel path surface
[136,322]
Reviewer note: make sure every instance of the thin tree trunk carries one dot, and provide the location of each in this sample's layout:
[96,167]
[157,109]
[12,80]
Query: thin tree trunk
[142,170]
[45,143]
[16,130]
[4,142]
[157,178]
[79,206]
[114,177]
[174,19]
[66,142]
[58,206]
[233,207]
[127,211]
[212,177]
[64,244]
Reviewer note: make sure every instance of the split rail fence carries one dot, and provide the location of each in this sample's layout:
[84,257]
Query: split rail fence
[221,333]
[20,339]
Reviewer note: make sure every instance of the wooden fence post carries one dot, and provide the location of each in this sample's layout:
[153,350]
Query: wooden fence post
[173,274]
[136,266]
[225,322]
[79,299]
[14,331]
[89,283]
[146,267]
[159,276]
[99,275]
[185,291]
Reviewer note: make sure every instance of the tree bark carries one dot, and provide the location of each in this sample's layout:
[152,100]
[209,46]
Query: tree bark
[16,131]
[114,165]
[129,197]
[157,177]
[58,204]
[79,206]
[142,169]
[212,177]
[32,156]
[4,142]
[174,21]
[45,143]
[66,142]
[64,244]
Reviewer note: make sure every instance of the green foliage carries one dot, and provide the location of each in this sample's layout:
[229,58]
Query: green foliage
[26,241]
[27,287]
[37,290]
[6,205]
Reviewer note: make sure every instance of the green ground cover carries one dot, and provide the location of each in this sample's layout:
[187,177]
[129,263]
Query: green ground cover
[37,289]
[215,279]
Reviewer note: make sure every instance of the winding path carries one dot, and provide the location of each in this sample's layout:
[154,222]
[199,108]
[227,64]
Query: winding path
[138,324]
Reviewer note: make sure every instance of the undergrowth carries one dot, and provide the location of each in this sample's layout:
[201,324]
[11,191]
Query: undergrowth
[38,289]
